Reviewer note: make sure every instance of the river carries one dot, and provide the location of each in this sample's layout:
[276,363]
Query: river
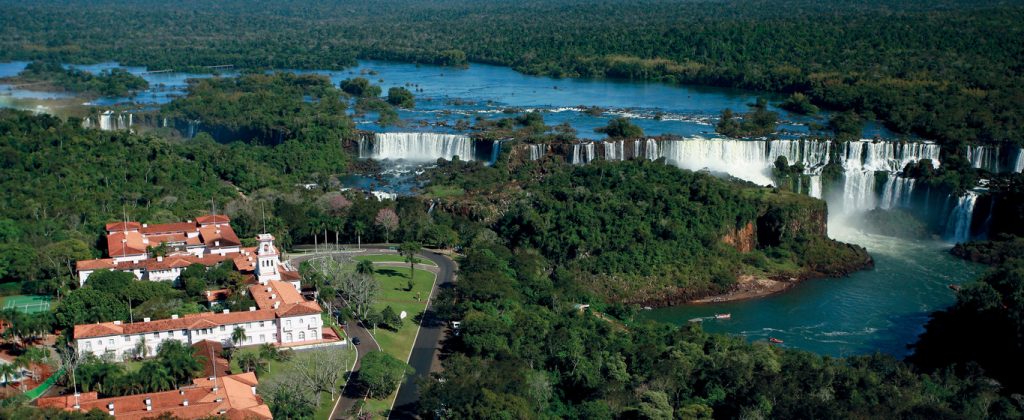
[875,310]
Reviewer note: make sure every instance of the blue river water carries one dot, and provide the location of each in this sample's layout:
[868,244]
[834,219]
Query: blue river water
[882,309]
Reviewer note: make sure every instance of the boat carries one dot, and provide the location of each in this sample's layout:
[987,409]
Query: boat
[775,340]
[723,316]
[954,287]
[648,308]
[696,319]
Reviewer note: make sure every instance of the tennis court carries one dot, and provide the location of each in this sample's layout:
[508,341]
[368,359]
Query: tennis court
[28,304]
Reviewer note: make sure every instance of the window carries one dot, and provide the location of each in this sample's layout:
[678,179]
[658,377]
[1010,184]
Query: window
[156,335]
[302,320]
[184,333]
[222,328]
[288,338]
[110,342]
[127,339]
[261,324]
[288,323]
[263,337]
[302,335]
[88,346]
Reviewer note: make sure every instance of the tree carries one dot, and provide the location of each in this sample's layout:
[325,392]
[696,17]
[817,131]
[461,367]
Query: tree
[238,336]
[381,373]
[365,267]
[177,357]
[359,228]
[193,280]
[286,400]
[252,362]
[360,87]
[409,251]
[357,289]
[154,376]
[390,318]
[388,220]
[401,97]
[8,371]
[621,127]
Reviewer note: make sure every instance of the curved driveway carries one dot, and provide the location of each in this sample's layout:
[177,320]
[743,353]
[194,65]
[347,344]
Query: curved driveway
[424,350]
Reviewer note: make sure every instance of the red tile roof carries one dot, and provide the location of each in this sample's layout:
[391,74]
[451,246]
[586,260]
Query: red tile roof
[232,396]
[123,226]
[178,227]
[223,233]
[125,243]
[191,322]
[216,218]
[155,264]
[283,293]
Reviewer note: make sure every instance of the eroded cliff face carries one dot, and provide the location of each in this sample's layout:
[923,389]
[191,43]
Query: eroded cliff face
[743,239]
[781,221]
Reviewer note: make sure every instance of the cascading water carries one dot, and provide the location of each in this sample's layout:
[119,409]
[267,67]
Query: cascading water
[897,192]
[958,227]
[495,151]
[615,150]
[1019,165]
[743,159]
[537,151]
[984,157]
[815,188]
[420,147]
[651,150]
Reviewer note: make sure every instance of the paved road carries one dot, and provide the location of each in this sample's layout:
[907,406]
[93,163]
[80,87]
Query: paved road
[424,351]
[428,342]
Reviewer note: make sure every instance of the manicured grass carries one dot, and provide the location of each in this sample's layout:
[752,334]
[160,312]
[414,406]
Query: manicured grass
[391,258]
[394,281]
[28,304]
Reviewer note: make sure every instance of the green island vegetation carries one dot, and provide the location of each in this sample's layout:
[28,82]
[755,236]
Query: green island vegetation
[900,62]
[47,75]
[758,122]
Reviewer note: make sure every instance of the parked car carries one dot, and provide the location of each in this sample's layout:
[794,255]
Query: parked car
[356,340]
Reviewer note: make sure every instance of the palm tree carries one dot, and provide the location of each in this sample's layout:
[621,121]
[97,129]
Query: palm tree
[8,371]
[359,227]
[154,377]
[141,350]
[238,336]
[269,352]
[365,267]
[409,251]
[252,362]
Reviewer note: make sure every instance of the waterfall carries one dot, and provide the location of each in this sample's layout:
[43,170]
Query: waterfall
[583,153]
[495,151]
[536,151]
[636,150]
[958,227]
[87,122]
[897,192]
[615,150]
[740,158]
[858,190]
[815,189]
[193,128]
[651,150]
[431,209]
[105,121]
[422,147]
[983,157]
[1019,165]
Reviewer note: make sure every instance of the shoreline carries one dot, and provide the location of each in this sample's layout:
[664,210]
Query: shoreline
[749,287]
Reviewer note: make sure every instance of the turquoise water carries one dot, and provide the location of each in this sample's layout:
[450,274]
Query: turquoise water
[883,309]
[876,310]
[447,95]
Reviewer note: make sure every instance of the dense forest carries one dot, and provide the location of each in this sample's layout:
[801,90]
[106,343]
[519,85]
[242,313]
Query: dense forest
[947,70]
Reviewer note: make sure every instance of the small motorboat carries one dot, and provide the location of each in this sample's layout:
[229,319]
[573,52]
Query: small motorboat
[648,308]
[723,316]
[954,287]
[775,340]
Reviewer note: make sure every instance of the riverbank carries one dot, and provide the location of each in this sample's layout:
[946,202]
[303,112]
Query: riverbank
[750,287]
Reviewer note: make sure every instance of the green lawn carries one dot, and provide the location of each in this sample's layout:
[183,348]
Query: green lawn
[274,368]
[391,258]
[394,281]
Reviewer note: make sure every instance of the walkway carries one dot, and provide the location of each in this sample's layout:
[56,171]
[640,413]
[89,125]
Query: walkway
[424,353]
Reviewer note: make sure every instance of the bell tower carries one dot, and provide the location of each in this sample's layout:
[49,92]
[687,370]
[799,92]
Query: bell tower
[267,259]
